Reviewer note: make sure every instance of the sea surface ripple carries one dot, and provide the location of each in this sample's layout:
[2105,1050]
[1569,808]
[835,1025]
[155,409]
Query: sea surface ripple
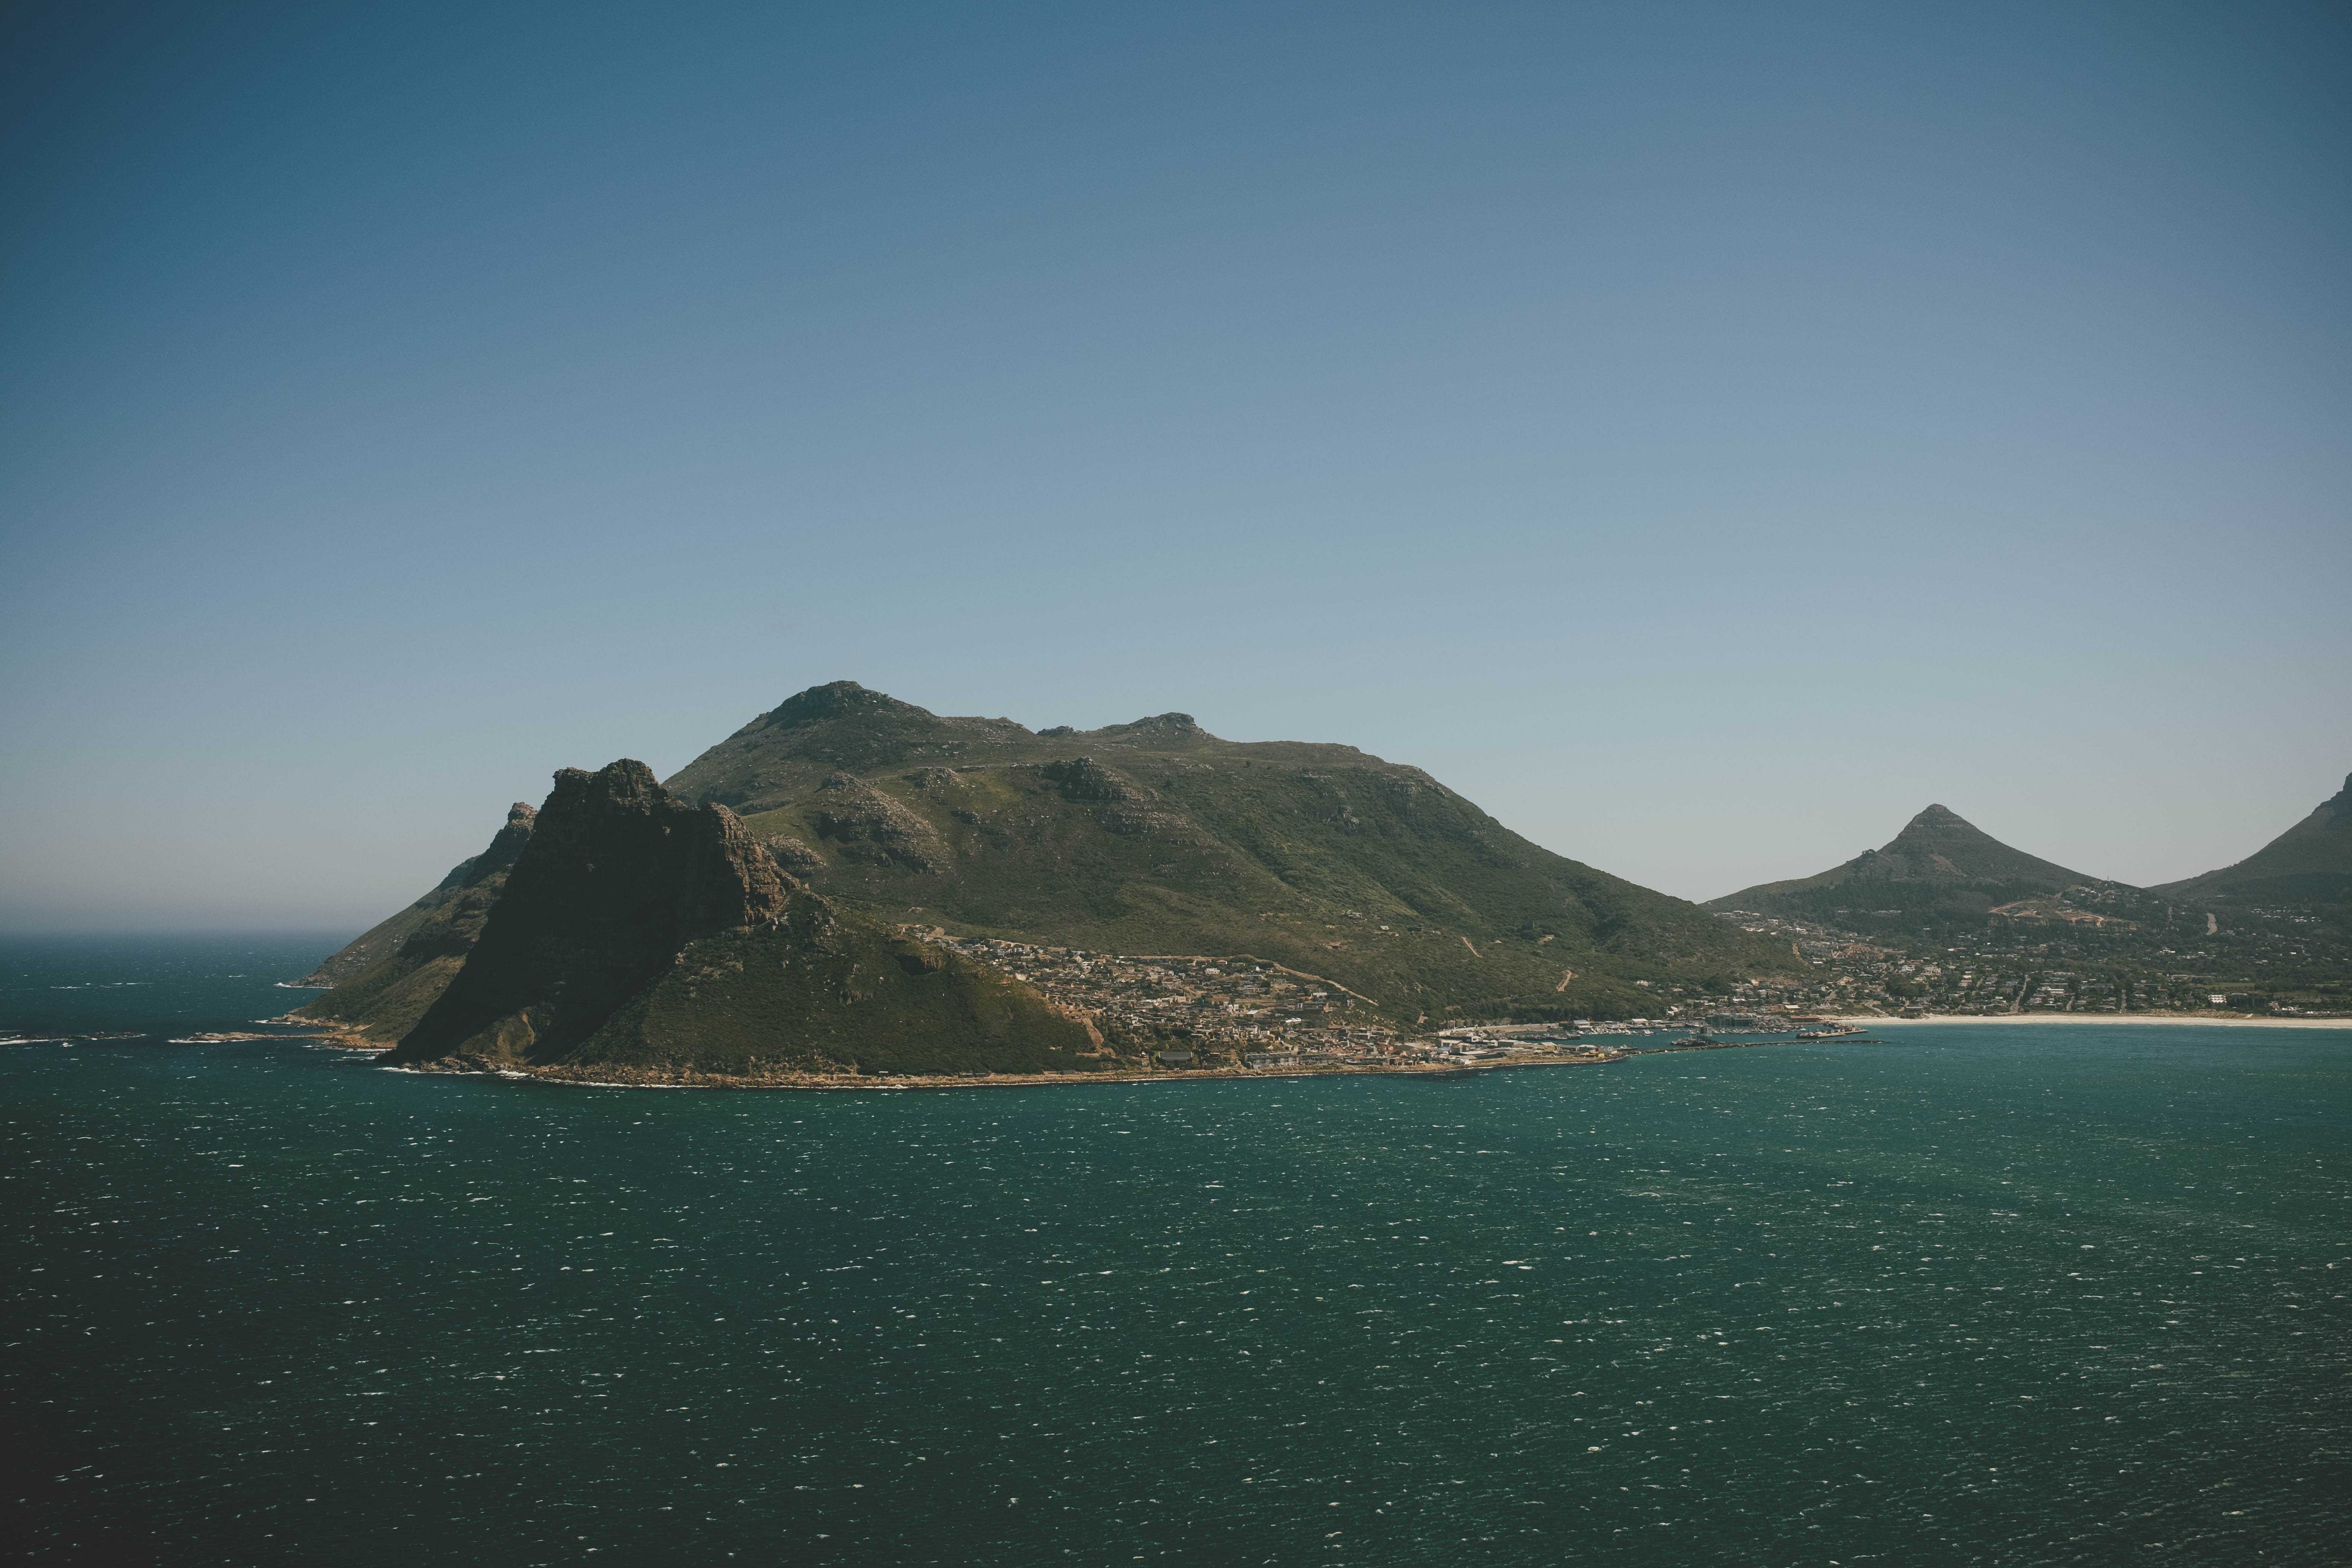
[1981,1296]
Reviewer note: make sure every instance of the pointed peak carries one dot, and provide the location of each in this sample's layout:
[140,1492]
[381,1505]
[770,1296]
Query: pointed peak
[834,700]
[1939,817]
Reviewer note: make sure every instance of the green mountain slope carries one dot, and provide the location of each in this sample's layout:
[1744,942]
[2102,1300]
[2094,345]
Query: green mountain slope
[2309,864]
[1158,837]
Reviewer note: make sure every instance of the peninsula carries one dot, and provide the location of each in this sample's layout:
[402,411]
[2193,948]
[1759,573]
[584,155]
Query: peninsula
[853,889]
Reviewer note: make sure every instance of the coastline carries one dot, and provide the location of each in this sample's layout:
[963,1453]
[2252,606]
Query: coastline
[2219,1020]
[687,1077]
[620,1077]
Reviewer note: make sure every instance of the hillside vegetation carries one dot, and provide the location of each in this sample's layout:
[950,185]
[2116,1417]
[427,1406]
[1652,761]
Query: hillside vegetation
[1940,869]
[1158,838]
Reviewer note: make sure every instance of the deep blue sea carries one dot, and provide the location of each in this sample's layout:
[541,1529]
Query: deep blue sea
[1985,1295]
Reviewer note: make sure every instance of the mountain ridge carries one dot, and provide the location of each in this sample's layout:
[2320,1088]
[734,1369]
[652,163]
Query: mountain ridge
[1158,836]
[2310,863]
[381,940]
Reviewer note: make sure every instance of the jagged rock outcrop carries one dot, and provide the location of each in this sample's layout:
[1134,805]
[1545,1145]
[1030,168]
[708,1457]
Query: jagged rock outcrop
[639,935]
[1172,731]
[618,877]
[871,827]
[1084,779]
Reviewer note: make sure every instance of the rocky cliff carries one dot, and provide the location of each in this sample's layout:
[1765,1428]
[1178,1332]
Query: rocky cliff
[618,877]
[639,934]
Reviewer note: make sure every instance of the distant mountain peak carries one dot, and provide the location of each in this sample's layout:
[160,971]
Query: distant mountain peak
[1940,857]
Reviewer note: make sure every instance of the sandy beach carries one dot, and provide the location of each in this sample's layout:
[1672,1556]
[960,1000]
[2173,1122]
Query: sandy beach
[2218,1021]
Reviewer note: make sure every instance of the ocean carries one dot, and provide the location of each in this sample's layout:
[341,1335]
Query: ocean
[1983,1295]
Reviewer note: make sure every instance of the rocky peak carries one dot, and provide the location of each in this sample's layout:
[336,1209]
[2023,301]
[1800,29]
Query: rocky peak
[871,827]
[616,874]
[836,700]
[507,848]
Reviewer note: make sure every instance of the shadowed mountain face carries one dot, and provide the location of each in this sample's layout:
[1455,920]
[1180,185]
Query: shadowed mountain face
[2310,864]
[618,875]
[1940,866]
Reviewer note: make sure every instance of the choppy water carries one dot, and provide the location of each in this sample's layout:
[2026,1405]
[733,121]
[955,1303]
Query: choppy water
[1990,1295]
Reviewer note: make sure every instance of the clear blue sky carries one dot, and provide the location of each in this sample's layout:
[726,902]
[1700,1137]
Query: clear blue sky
[1703,435]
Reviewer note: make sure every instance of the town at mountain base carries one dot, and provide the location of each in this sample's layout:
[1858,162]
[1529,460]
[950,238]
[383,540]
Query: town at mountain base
[852,886]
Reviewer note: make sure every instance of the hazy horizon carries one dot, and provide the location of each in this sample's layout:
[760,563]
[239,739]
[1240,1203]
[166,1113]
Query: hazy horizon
[333,927]
[1702,436]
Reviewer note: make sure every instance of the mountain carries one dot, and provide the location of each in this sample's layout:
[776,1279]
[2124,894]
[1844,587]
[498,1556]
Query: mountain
[639,934]
[1156,836]
[2309,864]
[1939,868]
[1946,918]
[811,890]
